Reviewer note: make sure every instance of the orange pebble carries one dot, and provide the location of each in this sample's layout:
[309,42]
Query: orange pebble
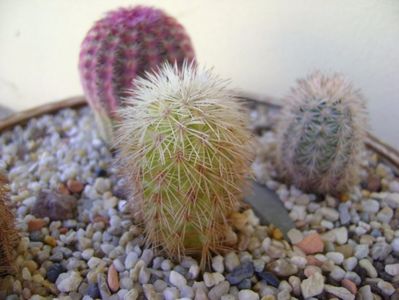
[36,224]
[113,279]
[277,234]
[349,285]
[311,244]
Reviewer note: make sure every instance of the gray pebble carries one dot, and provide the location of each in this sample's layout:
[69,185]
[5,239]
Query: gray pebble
[171,293]
[218,290]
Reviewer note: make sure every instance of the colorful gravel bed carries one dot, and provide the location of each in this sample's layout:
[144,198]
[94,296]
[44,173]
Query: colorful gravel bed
[79,241]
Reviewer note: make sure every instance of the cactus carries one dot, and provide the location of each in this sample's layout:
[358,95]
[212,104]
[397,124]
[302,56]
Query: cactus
[321,134]
[124,44]
[8,233]
[185,149]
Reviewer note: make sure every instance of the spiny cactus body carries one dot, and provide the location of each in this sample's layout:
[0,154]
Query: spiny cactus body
[124,44]
[185,147]
[8,233]
[321,134]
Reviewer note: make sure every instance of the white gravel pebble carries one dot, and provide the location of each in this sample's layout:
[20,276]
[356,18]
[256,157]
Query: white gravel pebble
[336,257]
[177,279]
[217,263]
[366,264]
[247,295]
[337,273]
[171,293]
[370,206]
[312,286]
[361,251]
[131,260]
[132,294]
[341,235]
[386,288]
[329,213]
[194,271]
[350,263]
[212,279]
[340,292]
[68,282]
[365,293]
[295,235]
[395,244]
[392,269]
[231,261]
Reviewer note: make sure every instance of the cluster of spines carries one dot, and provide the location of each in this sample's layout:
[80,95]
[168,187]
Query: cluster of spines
[186,150]
[123,45]
[8,233]
[321,134]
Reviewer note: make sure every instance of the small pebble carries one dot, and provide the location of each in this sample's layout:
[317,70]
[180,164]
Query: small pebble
[349,285]
[212,279]
[392,269]
[283,267]
[54,271]
[131,260]
[68,282]
[171,293]
[113,279]
[133,294]
[295,235]
[311,244]
[193,271]
[177,279]
[336,257]
[217,263]
[218,290]
[241,272]
[231,261]
[93,291]
[340,292]
[36,224]
[247,295]
[386,288]
[75,186]
[350,263]
[361,251]
[366,265]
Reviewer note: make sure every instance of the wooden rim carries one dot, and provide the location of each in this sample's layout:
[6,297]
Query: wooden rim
[387,152]
[21,118]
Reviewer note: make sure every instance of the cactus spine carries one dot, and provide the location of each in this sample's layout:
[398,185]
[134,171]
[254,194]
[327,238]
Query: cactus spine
[184,145]
[8,233]
[124,44]
[321,134]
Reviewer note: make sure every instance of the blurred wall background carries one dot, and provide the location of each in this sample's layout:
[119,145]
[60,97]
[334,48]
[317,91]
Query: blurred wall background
[262,45]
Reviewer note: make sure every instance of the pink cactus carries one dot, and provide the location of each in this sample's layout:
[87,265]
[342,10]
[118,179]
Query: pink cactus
[123,45]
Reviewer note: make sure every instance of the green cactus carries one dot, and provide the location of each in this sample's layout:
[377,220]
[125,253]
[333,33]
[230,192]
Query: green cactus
[321,134]
[185,148]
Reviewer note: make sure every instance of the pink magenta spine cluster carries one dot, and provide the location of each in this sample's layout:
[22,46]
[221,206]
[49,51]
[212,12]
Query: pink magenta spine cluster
[125,44]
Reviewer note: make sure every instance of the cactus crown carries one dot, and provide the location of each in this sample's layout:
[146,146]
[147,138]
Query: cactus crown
[8,233]
[321,134]
[185,147]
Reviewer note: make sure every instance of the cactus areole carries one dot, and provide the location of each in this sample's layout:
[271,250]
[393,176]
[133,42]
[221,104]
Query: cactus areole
[321,134]
[121,46]
[185,148]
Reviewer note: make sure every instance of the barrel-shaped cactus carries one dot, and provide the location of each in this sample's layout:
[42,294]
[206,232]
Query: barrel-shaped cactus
[121,46]
[185,148]
[8,232]
[321,134]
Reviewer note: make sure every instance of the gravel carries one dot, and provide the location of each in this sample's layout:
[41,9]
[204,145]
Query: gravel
[79,241]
